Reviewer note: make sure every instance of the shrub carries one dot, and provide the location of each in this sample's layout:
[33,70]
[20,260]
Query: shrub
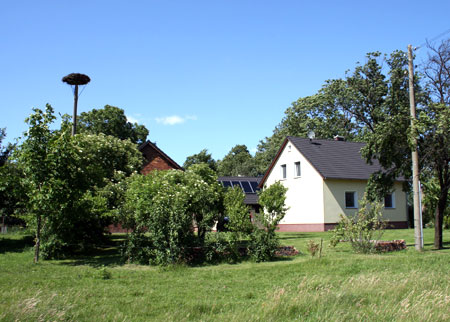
[312,247]
[222,246]
[164,207]
[362,230]
[263,240]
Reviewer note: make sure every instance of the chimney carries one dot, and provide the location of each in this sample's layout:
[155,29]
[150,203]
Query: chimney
[339,138]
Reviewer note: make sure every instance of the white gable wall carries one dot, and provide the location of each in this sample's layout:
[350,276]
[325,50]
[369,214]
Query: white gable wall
[304,197]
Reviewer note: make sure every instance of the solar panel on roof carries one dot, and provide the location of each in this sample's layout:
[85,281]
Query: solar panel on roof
[246,186]
[236,184]
[254,185]
[226,184]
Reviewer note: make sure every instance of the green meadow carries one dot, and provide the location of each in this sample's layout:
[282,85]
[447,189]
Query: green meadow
[340,286]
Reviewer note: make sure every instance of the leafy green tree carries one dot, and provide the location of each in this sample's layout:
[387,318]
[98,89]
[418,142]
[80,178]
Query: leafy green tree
[61,176]
[362,230]
[237,211]
[166,208]
[434,122]
[5,151]
[321,113]
[38,167]
[111,120]
[238,162]
[202,157]
[205,198]
[264,241]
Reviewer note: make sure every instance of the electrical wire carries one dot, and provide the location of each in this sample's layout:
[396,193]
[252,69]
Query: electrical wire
[433,39]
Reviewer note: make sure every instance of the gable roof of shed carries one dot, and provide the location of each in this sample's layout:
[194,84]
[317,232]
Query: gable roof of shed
[332,159]
[161,153]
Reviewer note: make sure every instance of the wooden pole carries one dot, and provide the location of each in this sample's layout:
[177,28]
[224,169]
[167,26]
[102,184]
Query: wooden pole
[75,104]
[418,237]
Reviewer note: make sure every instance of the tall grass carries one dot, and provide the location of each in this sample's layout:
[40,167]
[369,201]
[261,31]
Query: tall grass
[341,286]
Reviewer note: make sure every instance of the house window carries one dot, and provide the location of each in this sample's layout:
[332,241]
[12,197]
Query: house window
[283,171]
[297,169]
[389,201]
[350,199]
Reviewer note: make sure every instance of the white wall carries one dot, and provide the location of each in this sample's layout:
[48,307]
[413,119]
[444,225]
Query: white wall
[305,193]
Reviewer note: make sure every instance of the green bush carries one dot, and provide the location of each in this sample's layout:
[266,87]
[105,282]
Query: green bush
[263,239]
[222,246]
[165,207]
[362,230]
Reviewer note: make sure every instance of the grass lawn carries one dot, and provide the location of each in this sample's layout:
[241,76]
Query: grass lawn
[341,286]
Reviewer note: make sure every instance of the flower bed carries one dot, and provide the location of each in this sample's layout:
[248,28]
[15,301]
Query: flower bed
[390,246]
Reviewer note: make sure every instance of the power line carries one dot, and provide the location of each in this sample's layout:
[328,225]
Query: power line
[433,39]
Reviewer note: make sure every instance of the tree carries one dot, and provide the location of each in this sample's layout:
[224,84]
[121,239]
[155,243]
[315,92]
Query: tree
[263,240]
[5,151]
[202,157]
[166,207]
[435,124]
[38,168]
[321,113]
[112,121]
[379,103]
[205,198]
[62,175]
[238,162]
[237,211]
[11,191]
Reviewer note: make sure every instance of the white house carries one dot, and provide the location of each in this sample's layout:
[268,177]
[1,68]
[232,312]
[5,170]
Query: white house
[326,178]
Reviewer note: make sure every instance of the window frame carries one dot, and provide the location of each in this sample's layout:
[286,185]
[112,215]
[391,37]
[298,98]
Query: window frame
[355,200]
[298,169]
[392,194]
[283,170]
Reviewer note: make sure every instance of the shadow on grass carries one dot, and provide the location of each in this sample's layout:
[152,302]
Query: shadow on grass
[105,255]
[16,245]
[288,236]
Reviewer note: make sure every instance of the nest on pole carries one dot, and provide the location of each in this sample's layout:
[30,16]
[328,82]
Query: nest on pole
[76,79]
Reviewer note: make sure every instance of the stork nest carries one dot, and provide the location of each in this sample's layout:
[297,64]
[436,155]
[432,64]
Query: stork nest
[76,79]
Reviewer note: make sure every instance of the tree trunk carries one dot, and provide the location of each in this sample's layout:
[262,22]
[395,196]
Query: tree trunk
[439,218]
[38,239]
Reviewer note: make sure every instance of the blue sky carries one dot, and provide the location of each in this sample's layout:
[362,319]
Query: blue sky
[198,74]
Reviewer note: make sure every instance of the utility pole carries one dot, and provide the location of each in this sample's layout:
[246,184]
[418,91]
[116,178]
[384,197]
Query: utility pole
[418,236]
[75,105]
[75,79]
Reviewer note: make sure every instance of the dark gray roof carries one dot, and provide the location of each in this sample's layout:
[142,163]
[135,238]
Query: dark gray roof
[335,159]
[239,178]
[250,198]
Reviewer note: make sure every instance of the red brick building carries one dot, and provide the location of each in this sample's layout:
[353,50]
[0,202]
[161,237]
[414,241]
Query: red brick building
[156,159]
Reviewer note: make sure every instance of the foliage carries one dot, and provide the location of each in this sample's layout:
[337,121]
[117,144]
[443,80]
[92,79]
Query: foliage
[62,175]
[363,230]
[434,127]
[312,247]
[111,120]
[205,198]
[263,240]
[222,246]
[238,162]
[5,151]
[165,206]
[272,200]
[12,193]
[237,211]
[202,157]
